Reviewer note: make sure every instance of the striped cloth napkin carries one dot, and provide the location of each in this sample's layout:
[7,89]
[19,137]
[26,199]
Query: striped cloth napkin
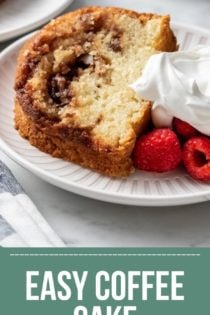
[21,224]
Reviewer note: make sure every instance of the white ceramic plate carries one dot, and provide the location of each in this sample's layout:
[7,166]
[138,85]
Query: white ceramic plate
[20,16]
[141,188]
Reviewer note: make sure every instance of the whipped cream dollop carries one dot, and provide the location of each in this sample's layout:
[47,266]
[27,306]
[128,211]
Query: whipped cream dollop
[179,85]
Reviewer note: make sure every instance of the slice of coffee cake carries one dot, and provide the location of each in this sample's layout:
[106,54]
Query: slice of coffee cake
[73,98]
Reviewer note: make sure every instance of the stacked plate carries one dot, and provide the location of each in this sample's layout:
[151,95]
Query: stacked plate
[20,16]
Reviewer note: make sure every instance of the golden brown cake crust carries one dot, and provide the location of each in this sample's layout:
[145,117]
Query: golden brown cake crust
[109,164]
[49,109]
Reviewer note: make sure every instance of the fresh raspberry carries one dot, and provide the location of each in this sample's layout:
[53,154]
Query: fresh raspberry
[157,151]
[196,158]
[184,129]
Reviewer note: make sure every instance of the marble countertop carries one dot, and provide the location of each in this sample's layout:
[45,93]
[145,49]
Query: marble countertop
[80,221]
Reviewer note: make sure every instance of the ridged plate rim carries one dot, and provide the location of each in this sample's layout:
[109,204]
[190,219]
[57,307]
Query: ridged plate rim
[100,194]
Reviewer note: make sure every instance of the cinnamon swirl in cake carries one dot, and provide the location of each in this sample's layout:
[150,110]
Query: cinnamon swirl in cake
[73,98]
